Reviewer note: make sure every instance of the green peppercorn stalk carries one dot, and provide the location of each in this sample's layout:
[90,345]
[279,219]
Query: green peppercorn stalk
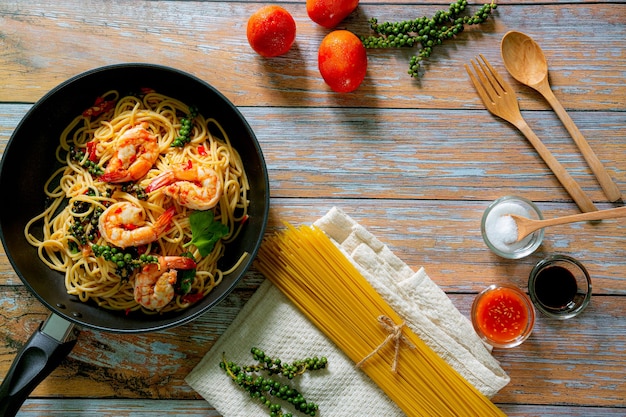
[425,31]
[186,125]
[80,157]
[263,389]
[276,366]
[125,261]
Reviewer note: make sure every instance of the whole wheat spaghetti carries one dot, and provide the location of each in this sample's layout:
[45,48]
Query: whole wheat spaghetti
[318,278]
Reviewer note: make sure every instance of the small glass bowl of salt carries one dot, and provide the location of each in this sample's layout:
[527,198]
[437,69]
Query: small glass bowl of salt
[499,229]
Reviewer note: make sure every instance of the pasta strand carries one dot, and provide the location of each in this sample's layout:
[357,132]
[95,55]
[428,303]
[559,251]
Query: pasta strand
[92,278]
[318,278]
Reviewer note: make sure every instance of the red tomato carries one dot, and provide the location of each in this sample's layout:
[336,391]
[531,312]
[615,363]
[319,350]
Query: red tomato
[271,31]
[329,13]
[342,61]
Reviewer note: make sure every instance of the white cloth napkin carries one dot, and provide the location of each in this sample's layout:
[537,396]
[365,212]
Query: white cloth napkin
[272,323]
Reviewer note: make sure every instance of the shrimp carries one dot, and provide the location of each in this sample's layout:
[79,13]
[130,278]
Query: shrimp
[195,187]
[136,151]
[154,285]
[123,224]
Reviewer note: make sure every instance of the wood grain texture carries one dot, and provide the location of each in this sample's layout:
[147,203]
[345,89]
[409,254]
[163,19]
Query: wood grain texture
[199,408]
[445,238]
[415,161]
[451,155]
[582,364]
[45,44]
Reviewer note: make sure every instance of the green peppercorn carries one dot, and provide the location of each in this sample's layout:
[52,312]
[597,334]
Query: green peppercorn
[186,127]
[262,388]
[429,32]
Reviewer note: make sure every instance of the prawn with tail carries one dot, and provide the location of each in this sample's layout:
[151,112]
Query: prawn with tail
[136,151]
[193,186]
[123,224]
[154,285]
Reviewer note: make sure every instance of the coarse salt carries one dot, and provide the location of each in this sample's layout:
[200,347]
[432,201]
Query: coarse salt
[501,228]
[506,229]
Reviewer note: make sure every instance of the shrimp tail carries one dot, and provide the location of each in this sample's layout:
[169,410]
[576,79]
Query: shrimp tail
[166,178]
[114,176]
[139,169]
[163,222]
[179,262]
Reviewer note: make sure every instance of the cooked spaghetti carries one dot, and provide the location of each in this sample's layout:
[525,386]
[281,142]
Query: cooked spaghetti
[318,278]
[148,195]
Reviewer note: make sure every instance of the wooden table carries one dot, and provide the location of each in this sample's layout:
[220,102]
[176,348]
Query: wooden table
[416,161]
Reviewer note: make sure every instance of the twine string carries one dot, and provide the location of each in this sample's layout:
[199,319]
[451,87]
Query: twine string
[395,335]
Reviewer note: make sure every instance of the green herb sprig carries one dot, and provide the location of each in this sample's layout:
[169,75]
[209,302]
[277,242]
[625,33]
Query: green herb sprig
[205,231]
[186,277]
[425,31]
[263,388]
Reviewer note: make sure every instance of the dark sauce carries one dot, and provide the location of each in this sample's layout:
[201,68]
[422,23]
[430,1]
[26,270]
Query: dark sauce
[555,286]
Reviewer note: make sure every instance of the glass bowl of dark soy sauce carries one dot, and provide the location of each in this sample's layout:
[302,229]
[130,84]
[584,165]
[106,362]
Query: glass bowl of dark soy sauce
[560,287]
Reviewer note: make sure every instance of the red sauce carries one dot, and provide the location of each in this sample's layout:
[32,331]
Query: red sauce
[502,315]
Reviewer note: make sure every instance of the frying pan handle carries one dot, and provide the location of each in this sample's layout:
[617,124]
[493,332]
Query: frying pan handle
[43,352]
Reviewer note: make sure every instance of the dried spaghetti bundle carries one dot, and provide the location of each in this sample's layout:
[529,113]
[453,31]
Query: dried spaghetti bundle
[318,278]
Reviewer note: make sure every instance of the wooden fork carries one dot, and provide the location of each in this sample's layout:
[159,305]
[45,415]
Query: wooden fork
[499,98]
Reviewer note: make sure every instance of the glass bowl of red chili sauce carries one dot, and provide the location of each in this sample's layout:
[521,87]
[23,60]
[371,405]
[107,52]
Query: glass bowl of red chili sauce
[503,316]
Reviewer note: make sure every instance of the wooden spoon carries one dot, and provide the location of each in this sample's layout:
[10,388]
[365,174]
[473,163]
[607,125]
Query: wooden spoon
[526,226]
[524,60]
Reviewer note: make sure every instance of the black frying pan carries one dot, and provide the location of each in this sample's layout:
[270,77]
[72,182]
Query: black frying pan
[27,163]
